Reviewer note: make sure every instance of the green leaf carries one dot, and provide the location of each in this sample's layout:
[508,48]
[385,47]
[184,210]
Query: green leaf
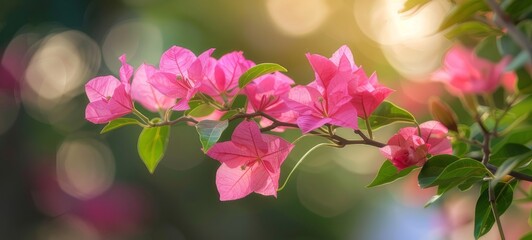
[510,164]
[433,168]
[200,110]
[388,113]
[411,4]
[228,114]
[466,185]
[524,81]
[460,148]
[528,236]
[240,101]
[521,136]
[152,145]
[457,172]
[487,49]
[517,9]
[257,71]
[117,123]
[507,46]
[444,187]
[209,132]
[462,12]
[472,28]
[463,171]
[389,173]
[484,219]
[508,150]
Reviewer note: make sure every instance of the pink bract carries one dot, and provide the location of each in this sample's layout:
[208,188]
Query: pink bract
[465,73]
[367,94]
[145,93]
[251,162]
[326,100]
[109,98]
[179,75]
[220,77]
[267,94]
[407,148]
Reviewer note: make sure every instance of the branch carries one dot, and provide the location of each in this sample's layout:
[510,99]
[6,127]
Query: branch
[504,21]
[493,204]
[365,141]
[175,121]
[516,175]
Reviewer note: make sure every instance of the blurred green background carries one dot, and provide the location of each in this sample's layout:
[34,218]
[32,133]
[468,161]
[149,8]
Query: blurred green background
[60,179]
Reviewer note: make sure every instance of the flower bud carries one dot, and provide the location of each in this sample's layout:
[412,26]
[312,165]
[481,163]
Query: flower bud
[443,113]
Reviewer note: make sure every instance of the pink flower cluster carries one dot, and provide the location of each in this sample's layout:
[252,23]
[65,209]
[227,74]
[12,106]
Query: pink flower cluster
[464,72]
[411,146]
[340,93]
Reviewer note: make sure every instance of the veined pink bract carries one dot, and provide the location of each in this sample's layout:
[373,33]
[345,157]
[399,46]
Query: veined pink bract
[251,162]
[325,100]
[109,98]
[407,148]
[145,93]
[179,75]
[267,94]
[220,77]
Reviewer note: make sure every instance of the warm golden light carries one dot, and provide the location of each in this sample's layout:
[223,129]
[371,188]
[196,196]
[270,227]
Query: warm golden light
[408,40]
[298,17]
[85,168]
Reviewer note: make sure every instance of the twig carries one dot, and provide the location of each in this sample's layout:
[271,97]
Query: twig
[492,199]
[516,175]
[175,121]
[504,21]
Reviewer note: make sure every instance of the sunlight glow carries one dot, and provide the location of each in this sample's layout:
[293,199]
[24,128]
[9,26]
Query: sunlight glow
[298,17]
[408,40]
[85,168]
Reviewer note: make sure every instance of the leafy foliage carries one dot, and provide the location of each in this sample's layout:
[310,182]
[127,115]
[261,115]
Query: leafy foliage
[209,132]
[388,113]
[118,123]
[257,71]
[388,173]
[152,145]
[484,218]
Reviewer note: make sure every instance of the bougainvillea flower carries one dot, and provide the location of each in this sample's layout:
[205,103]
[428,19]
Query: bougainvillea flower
[176,76]
[221,76]
[267,94]
[407,148]
[343,58]
[109,98]
[435,134]
[251,162]
[325,100]
[145,93]
[367,94]
[465,73]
